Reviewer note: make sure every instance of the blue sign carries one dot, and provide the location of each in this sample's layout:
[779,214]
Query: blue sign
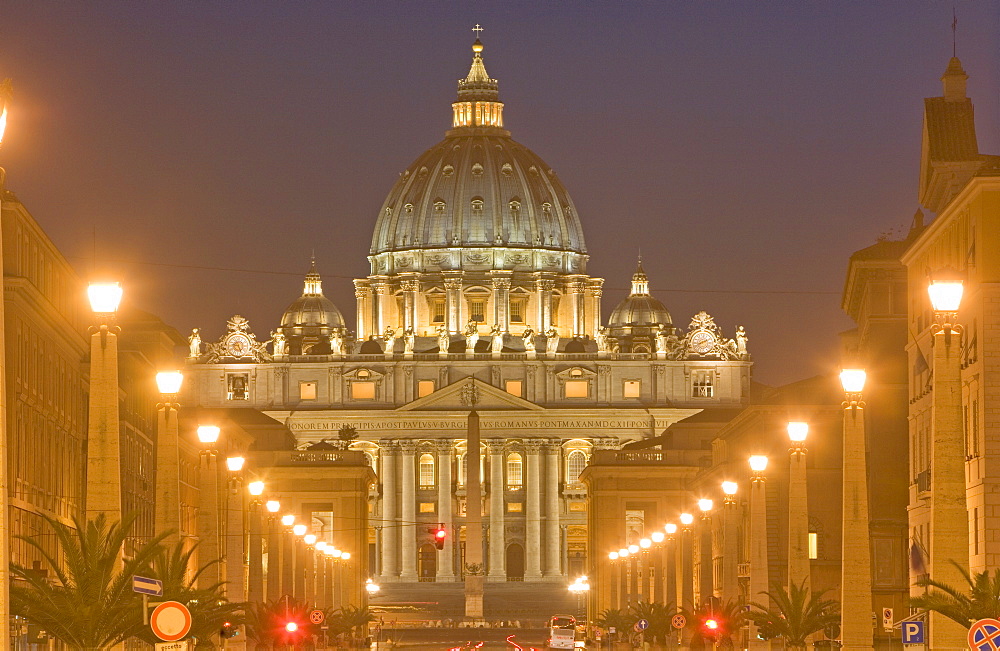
[147,586]
[913,632]
[642,625]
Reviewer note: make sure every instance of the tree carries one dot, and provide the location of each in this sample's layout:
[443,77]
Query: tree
[982,599]
[86,601]
[615,618]
[347,434]
[351,621]
[658,615]
[796,615]
[266,622]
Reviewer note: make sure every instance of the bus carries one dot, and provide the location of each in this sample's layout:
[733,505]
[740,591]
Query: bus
[562,632]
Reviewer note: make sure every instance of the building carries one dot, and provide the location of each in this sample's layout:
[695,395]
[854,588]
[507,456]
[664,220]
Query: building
[479,298]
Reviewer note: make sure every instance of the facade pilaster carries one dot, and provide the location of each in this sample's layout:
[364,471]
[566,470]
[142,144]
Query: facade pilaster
[453,302]
[362,294]
[411,287]
[576,287]
[497,557]
[501,299]
[533,513]
[595,289]
[381,288]
[543,288]
[408,510]
[390,528]
[553,533]
[446,559]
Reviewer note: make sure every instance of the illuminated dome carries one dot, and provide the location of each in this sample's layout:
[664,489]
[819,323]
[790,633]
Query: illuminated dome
[311,315]
[478,200]
[639,309]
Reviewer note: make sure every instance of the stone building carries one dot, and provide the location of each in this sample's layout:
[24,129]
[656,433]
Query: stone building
[478,279]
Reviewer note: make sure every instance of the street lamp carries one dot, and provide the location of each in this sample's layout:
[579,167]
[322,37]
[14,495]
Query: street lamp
[272,506]
[288,519]
[168,502]
[706,587]
[758,541]
[255,544]
[798,507]
[657,536]
[275,558]
[299,530]
[209,522]
[856,566]
[686,560]
[580,587]
[371,588]
[949,519]
[730,543]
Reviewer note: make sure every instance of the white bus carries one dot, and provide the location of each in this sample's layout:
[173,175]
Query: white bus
[562,632]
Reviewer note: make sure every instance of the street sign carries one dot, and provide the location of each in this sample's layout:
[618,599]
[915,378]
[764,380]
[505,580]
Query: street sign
[913,632]
[887,619]
[317,617]
[679,621]
[170,621]
[144,585]
[984,635]
[171,646]
[611,630]
[642,625]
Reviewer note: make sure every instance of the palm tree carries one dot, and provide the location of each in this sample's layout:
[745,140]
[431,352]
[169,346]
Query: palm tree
[615,618]
[796,615]
[981,601]
[86,601]
[266,621]
[351,621]
[658,615]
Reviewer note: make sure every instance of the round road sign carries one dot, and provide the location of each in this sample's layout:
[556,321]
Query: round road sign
[170,621]
[984,635]
[642,625]
[679,621]
[317,617]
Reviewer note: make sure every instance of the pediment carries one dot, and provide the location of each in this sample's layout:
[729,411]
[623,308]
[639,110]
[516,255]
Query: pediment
[455,396]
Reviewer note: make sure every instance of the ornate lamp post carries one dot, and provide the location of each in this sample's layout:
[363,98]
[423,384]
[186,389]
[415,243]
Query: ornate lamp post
[706,587]
[758,540]
[288,567]
[6,91]
[856,567]
[209,525]
[670,562]
[234,531]
[730,544]
[104,477]
[310,568]
[798,506]
[644,569]
[255,548]
[299,580]
[949,519]
[656,573]
[687,561]
[274,557]
[168,499]
[623,560]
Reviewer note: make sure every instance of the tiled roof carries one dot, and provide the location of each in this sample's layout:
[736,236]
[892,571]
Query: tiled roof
[951,129]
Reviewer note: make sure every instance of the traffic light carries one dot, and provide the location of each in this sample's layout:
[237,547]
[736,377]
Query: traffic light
[712,627]
[439,533]
[228,630]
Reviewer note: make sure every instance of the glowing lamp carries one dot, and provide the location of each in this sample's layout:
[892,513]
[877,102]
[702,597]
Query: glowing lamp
[337,553]
[945,294]
[256,488]
[3,123]
[686,519]
[310,539]
[613,556]
[235,464]
[321,545]
[797,431]
[758,463]
[208,433]
[657,536]
[104,297]
[371,587]
[705,504]
[645,543]
[670,528]
[729,487]
[853,380]
[272,506]
[299,530]
[291,627]
[169,382]
[623,553]
[288,520]
[329,549]
[346,556]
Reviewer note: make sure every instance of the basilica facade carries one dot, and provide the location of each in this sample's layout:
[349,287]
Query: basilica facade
[478,287]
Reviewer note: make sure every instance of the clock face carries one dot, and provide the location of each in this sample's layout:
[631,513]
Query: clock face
[702,342]
[239,345]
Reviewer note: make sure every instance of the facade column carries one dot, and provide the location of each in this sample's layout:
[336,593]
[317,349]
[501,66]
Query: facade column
[408,511]
[543,289]
[362,293]
[856,566]
[533,513]
[497,556]
[382,297]
[595,291]
[575,287]
[446,559]
[411,286]
[553,537]
[390,522]
[453,302]
[501,299]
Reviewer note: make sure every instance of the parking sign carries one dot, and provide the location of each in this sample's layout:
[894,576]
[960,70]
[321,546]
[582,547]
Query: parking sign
[913,632]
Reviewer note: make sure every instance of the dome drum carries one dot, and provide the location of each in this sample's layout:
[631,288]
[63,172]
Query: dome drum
[482,259]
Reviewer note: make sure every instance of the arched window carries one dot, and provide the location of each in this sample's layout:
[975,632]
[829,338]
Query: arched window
[461,469]
[426,471]
[515,475]
[576,461]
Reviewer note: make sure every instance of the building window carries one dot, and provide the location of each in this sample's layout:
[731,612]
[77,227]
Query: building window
[437,310]
[477,309]
[515,477]
[577,388]
[578,507]
[554,311]
[307,390]
[813,545]
[517,309]
[576,461]
[702,386]
[514,388]
[428,507]
[237,386]
[426,470]
[514,507]
[362,390]
[425,388]
[630,389]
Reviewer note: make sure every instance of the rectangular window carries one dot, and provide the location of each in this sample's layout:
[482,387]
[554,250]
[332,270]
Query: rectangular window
[307,390]
[425,388]
[517,306]
[554,311]
[702,384]
[578,507]
[975,428]
[514,507]
[428,507]
[477,309]
[237,386]
[362,390]
[514,388]
[630,389]
[813,546]
[577,388]
[437,310]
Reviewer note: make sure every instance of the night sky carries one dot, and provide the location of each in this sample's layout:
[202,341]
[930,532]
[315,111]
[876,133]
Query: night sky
[747,147]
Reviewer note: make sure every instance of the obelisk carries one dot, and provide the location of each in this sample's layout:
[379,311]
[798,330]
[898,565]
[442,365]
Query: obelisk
[475,571]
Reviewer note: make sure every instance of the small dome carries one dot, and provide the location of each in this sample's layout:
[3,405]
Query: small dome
[312,314]
[639,308]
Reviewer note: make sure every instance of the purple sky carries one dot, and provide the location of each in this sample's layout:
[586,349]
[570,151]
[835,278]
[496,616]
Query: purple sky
[748,147]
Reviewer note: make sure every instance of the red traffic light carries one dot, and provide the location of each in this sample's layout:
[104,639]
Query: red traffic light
[440,533]
[711,624]
[291,627]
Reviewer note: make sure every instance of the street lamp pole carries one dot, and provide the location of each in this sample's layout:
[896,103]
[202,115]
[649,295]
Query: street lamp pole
[255,548]
[706,588]
[235,532]
[798,507]
[274,557]
[949,519]
[758,542]
[670,564]
[168,501]
[6,91]
[687,561]
[856,566]
[730,544]
[209,527]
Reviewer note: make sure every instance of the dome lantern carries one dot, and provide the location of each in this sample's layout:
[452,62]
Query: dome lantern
[478,103]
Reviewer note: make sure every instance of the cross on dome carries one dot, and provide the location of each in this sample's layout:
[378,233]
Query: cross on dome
[477,29]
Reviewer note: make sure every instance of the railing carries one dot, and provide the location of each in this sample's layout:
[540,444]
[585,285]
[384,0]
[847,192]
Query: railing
[923,481]
[428,357]
[743,570]
[312,457]
[648,458]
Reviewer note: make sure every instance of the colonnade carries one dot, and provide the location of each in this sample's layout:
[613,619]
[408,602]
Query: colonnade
[536,527]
